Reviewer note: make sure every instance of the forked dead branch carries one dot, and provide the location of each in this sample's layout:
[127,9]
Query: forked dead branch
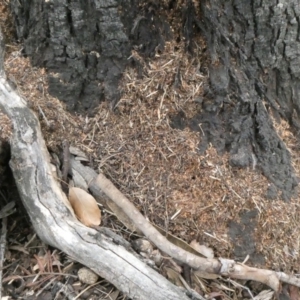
[53,218]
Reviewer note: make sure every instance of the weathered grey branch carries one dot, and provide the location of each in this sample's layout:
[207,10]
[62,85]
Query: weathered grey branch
[53,218]
[102,188]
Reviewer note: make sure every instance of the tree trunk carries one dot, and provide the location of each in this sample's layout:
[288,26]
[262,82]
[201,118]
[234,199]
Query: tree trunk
[254,74]
[81,43]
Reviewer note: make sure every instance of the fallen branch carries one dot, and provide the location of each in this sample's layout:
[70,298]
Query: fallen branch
[101,187]
[53,218]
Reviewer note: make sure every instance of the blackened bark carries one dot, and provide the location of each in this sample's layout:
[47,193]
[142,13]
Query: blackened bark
[82,44]
[254,48]
[85,45]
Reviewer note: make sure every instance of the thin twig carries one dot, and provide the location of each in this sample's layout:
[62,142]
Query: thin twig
[33,275]
[46,286]
[86,289]
[44,116]
[2,249]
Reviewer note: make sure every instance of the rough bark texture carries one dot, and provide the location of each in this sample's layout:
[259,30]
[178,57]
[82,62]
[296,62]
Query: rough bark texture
[84,45]
[255,69]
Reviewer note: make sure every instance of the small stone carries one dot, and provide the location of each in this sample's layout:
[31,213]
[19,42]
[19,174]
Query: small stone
[142,245]
[87,276]
[157,257]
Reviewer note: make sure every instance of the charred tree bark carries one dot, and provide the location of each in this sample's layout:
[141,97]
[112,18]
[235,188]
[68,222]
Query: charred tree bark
[81,43]
[84,45]
[254,48]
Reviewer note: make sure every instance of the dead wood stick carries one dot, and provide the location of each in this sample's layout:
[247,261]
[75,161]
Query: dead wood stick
[209,265]
[53,218]
[225,267]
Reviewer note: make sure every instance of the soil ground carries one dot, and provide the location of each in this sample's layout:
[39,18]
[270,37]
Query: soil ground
[148,153]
